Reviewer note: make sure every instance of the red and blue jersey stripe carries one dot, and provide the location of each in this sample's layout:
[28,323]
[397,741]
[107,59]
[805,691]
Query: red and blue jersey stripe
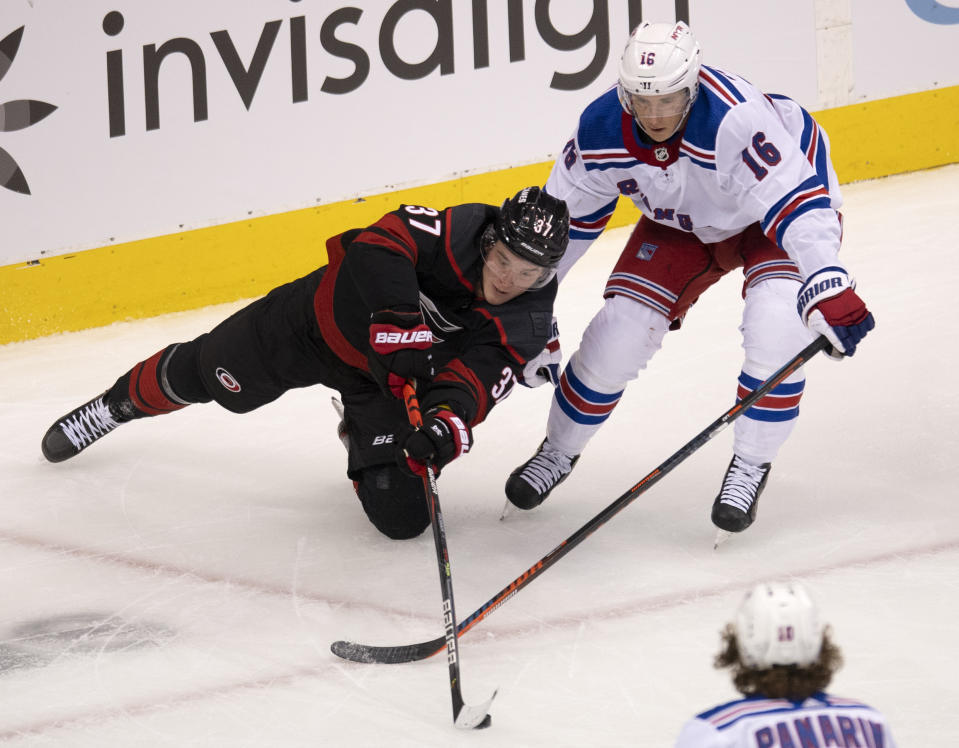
[591,225]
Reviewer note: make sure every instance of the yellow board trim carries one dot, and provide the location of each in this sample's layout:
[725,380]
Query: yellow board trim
[246,259]
[892,136]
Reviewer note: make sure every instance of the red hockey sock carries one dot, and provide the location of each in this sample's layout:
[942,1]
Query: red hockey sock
[146,388]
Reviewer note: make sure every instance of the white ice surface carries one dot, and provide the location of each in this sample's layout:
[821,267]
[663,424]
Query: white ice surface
[222,554]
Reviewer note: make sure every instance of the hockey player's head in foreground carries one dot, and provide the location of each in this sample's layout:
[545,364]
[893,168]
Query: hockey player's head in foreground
[777,646]
[659,77]
[523,246]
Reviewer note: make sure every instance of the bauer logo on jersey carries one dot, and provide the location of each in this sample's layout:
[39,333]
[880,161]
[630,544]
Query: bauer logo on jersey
[227,380]
[646,251]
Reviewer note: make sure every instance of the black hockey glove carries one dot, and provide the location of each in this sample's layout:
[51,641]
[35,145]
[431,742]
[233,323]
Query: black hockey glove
[442,438]
[399,349]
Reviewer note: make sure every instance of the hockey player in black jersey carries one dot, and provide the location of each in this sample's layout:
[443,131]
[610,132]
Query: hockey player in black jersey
[458,299]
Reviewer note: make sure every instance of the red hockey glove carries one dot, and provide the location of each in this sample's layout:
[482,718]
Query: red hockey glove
[829,305]
[544,367]
[442,438]
[399,349]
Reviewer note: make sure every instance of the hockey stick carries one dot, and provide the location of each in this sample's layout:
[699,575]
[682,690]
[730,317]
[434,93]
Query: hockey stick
[464,716]
[412,652]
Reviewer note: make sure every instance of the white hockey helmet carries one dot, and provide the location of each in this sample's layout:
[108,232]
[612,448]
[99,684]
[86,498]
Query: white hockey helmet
[660,58]
[778,624]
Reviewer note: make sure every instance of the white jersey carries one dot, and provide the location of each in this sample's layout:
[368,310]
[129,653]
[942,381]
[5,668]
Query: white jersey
[743,157]
[821,720]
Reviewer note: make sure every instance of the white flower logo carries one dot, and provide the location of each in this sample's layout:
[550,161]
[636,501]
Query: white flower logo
[16,115]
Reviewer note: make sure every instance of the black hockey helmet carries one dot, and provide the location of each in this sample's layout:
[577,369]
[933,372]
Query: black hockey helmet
[535,226]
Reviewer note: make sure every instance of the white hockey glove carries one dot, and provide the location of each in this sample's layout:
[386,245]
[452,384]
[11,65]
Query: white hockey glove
[829,305]
[544,367]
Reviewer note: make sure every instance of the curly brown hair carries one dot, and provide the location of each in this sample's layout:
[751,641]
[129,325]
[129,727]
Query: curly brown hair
[779,681]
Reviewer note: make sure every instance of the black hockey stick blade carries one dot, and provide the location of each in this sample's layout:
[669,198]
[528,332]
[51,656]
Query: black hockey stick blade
[413,652]
[467,717]
[368,653]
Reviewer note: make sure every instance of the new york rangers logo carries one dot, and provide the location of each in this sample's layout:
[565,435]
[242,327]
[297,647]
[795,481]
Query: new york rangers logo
[646,251]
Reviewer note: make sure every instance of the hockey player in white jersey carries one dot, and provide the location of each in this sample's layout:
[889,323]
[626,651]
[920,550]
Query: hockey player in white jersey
[781,659]
[726,177]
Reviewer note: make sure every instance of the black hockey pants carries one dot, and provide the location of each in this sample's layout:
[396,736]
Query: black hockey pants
[274,345]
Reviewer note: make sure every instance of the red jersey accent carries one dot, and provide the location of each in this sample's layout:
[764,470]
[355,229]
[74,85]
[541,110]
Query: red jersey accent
[449,253]
[323,308]
[403,242]
[648,154]
[456,371]
[502,334]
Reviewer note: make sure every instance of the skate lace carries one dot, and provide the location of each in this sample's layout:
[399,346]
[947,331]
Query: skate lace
[546,468]
[740,485]
[88,424]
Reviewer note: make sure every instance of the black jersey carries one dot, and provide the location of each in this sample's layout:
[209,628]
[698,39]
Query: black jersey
[418,257]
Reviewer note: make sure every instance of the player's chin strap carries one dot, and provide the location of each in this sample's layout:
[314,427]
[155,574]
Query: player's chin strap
[464,716]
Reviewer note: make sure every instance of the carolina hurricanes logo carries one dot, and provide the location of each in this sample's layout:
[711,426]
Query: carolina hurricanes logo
[227,380]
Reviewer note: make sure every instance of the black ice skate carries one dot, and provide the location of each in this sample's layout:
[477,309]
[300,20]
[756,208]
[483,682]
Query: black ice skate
[78,429]
[530,484]
[735,507]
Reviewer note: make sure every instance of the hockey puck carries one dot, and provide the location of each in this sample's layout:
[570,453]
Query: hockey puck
[487,721]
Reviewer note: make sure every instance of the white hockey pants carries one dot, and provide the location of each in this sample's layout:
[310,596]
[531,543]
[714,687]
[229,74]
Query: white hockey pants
[624,335]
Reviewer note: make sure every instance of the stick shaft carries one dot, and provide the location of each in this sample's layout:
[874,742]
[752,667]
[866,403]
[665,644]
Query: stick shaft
[644,484]
[442,559]
[422,650]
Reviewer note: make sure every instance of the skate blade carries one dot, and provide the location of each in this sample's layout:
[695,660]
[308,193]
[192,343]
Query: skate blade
[721,537]
[341,426]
